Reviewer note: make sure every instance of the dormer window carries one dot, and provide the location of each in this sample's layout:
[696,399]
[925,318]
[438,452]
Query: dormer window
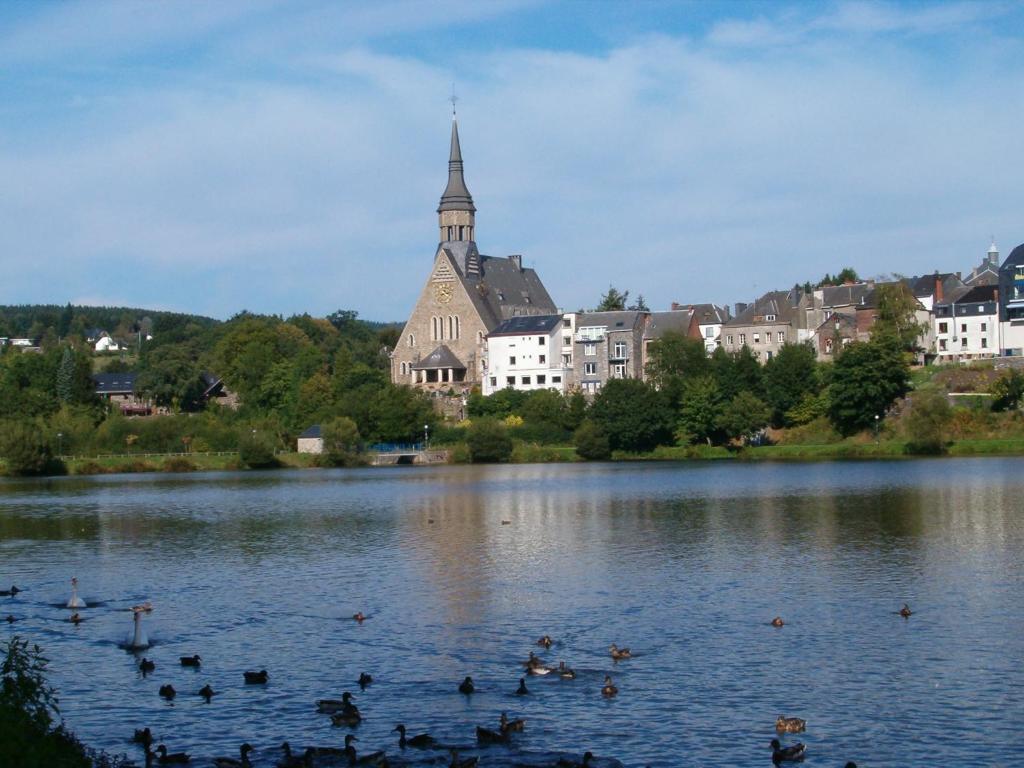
[770,318]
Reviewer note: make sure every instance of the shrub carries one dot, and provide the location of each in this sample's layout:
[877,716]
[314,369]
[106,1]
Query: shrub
[1008,391]
[137,466]
[179,464]
[90,468]
[929,416]
[591,443]
[488,441]
[341,442]
[256,452]
[26,450]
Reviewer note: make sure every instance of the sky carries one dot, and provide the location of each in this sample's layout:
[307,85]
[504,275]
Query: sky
[287,157]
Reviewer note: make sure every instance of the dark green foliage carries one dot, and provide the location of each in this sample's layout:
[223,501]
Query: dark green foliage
[612,301]
[845,275]
[789,377]
[26,450]
[398,414]
[66,376]
[700,409]
[29,382]
[1008,391]
[867,379]
[737,372]
[488,441]
[897,315]
[674,359]
[342,442]
[171,375]
[506,402]
[743,417]
[256,451]
[927,422]
[634,415]
[591,443]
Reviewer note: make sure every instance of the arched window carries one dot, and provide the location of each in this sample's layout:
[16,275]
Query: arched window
[451,327]
[412,340]
[458,330]
[479,337]
[433,329]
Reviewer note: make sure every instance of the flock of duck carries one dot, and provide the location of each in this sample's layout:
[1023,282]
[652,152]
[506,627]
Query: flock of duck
[344,712]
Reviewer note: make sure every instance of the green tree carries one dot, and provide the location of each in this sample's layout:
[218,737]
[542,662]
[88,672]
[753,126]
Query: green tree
[634,415]
[172,376]
[612,301]
[488,441]
[398,414]
[256,450]
[700,409]
[591,443]
[576,410]
[788,377]
[545,406]
[66,376]
[342,443]
[1008,391]
[867,379]
[927,421]
[673,359]
[897,315]
[25,448]
[639,305]
[743,417]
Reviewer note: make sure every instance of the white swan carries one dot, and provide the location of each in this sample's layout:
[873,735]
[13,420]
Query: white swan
[139,639]
[75,601]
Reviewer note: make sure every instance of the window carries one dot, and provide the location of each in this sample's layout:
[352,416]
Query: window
[942,345]
[451,327]
[511,361]
[542,359]
[526,380]
[743,338]
[963,327]
[590,369]
[542,379]
[567,341]
[619,371]
[943,327]
[981,309]
[403,369]
[620,349]
[709,332]
[556,379]
[729,339]
[828,346]
[412,340]
[768,355]
[510,381]
[984,343]
[567,360]
[433,329]
[984,327]
[566,322]
[540,340]
[963,342]
[782,337]
[494,381]
[590,349]
[770,318]
[757,338]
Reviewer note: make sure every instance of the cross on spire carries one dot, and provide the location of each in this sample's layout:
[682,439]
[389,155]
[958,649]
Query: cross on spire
[453,99]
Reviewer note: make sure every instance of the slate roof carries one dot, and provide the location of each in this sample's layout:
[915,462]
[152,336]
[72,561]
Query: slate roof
[115,383]
[456,196]
[709,314]
[978,294]
[778,303]
[311,432]
[844,295]
[677,320]
[613,321]
[442,357]
[529,325]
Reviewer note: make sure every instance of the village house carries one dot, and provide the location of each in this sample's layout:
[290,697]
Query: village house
[966,327]
[764,327]
[118,389]
[528,353]
[607,345]
[1011,303]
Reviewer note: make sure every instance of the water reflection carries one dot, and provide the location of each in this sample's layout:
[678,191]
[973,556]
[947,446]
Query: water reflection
[686,563]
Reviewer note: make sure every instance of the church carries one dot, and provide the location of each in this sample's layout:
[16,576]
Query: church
[467,295]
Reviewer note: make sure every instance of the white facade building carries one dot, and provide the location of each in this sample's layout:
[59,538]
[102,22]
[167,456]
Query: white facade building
[967,328]
[528,353]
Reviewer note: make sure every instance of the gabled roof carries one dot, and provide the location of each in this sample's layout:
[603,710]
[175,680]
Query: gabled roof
[844,295]
[782,304]
[529,325]
[842,320]
[313,432]
[442,357]
[613,321]
[115,383]
[709,314]
[978,294]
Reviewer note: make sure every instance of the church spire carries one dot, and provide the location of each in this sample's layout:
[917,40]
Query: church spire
[456,211]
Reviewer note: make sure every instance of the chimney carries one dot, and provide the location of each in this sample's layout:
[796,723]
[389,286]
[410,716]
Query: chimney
[995,294]
[938,289]
[517,261]
[676,306]
[740,308]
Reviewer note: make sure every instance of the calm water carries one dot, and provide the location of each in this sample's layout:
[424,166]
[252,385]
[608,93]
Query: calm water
[686,564]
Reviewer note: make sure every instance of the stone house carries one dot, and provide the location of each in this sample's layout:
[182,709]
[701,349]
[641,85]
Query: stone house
[607,345]
[310,441]
[774,320]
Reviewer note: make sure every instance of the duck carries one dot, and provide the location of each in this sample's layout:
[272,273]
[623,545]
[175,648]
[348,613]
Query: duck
[487,736]
[565,672]
[790,724]
[619,653]
[791,754]
[168,692]
[507,726]
[778,622]
[545,641]
[469,762]
[191,661]
[256,678]
[293,761]
[354,759]
[231,762]
[358,616]
[609,689]
[466,686]
[172,757]
[330,706]
[567,763]
[905,611]
[420,740]
[349,717]
[207,692]
[365,679]
[143,736]
[11,618]
[146,607]
[522,690]
[146,666]
[534,666]
[10,592]
[74,618]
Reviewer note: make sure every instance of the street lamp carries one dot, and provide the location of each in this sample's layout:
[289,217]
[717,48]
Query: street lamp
[60,443]
[426,436]
[876,429]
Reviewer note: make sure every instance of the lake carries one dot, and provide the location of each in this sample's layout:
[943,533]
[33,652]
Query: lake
[460,569]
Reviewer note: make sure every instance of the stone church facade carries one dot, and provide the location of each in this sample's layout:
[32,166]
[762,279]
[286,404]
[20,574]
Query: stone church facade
[467,294]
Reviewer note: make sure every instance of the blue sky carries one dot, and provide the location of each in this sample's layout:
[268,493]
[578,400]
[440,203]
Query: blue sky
[288,156]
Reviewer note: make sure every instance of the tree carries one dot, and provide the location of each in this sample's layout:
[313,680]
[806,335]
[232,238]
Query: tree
[1008,391]
[172,376]
[398,414]
[639,305]
[673,359]
[488,441]
[591,443]
[66,376]
[24,448]
[927,421]
[576,410]
[743,417]
[700,409]
[867,379]
[897,315]
[256,450]
[633,414]
[737,372]
[788,378]
[342,442]
[612,301]
[545,406]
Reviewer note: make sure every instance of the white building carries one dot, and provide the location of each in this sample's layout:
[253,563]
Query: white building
[967,326]
[528,353]
[107,344]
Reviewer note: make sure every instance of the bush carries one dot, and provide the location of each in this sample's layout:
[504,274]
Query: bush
[179,464]
[488,441]
[26,450]
[591,443]
[633,415]
[1008,391]
[137,466]
[929,416]
[341,442]
[256,452]
[90,468]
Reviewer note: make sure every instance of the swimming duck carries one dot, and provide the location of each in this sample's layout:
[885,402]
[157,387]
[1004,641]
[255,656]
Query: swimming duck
[143,736]
[469,762]
[506,522]
[146,666]
[364,680]
[905,611]
[207,692]
[534,666]
[146,607]
[466,686]
[330,706]
[11,618]
[420,740]
[545,641]
[230,762]
[790,724]
[191,661]
[168,692]
[10,592]
[791,754]
[359,617]
[566,763]
[347,717]
[372,758]
[487,736]
[171,758]
[256,678]
[778,622]
[74,618]
[522,690]
[507,726]
[608,690]
[293,761]
[564,672]
[619,653]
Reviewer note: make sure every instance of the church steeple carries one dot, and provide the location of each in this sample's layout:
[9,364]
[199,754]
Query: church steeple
[456,211]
